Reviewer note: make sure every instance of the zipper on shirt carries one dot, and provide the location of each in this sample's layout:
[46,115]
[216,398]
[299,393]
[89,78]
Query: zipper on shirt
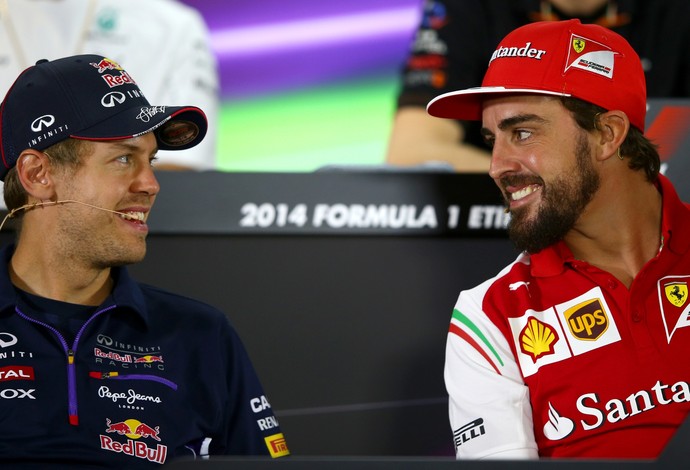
[72,388]
[72,404]
[118,376]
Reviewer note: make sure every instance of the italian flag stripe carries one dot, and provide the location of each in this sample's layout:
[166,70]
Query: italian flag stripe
[458,315]
[456,330]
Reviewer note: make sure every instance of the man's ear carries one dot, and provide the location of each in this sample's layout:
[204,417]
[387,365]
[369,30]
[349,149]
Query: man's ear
[33,170]
[613,127]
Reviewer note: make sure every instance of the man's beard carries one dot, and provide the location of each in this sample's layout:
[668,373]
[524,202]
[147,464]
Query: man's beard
[562,202]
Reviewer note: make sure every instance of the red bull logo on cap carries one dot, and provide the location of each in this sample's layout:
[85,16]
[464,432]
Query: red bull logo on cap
[122,78]
[134,430]
[106,64]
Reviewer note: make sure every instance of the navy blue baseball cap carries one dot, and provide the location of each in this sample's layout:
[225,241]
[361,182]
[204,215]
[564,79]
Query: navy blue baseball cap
[87,97]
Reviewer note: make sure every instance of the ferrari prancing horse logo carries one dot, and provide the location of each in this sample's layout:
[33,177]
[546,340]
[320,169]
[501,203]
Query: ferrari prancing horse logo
[676,293]
[578,44]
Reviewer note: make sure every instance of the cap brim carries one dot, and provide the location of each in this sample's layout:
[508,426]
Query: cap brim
[175,127]
[466,105]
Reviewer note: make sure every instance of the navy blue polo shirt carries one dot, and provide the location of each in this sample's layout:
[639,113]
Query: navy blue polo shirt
[145,377]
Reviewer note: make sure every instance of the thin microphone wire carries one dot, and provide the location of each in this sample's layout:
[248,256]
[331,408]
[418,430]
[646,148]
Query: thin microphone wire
[54,203]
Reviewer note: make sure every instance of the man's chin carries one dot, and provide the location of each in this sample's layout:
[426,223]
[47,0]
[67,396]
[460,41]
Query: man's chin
[125,259]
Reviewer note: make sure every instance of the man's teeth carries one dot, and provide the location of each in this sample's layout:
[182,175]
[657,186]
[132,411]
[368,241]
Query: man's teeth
[132,216]
[524,192]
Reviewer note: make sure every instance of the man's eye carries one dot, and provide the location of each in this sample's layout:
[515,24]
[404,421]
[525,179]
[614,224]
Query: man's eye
[489,141]
[522,134]
[123,159]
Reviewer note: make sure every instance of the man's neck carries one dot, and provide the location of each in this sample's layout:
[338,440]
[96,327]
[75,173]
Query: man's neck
[620,236]
[41,273]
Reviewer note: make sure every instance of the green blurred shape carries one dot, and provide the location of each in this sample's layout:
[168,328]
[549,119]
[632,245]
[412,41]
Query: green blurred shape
[301,131]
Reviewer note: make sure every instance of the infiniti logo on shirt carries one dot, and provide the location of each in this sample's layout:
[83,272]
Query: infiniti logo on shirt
[7,340]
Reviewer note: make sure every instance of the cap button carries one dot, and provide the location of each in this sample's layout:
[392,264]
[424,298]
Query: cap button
[41,61]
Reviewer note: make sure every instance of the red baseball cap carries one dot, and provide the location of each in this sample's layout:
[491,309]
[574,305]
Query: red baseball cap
[558,58]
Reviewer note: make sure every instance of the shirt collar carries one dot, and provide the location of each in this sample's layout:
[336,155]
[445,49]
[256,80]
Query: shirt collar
[675,230]
[675,221]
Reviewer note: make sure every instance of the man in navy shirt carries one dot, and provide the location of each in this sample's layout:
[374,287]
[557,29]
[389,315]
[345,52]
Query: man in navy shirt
[95,368]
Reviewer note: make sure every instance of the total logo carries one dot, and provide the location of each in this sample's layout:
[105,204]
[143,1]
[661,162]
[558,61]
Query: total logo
[134,430]
[595,413]
[569,329]
[16,373]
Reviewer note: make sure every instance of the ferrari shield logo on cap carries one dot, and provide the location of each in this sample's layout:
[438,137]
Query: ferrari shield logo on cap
[590,56]
[578,44]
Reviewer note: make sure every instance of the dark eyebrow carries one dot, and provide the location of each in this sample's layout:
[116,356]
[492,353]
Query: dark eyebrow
[513,121]
[124,146]
[519,119]
[131,147]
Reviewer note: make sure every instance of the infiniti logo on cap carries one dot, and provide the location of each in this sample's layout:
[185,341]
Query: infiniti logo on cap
[42,122]
[113,98]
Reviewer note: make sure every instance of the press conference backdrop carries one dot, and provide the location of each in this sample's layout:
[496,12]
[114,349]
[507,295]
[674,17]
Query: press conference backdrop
[341,284]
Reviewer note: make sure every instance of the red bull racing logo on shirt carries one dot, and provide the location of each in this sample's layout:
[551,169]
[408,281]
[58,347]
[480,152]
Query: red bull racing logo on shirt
[148,359]
[121,355]
[134,430]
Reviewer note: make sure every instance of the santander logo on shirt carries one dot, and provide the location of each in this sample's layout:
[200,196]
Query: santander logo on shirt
[594,412]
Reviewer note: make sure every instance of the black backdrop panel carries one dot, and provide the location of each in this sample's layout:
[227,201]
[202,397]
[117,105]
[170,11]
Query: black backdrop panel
[347,333]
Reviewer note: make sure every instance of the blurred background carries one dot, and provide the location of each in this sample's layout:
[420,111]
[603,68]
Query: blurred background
[306,83]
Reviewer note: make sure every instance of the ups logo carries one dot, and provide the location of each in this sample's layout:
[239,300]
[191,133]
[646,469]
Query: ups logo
[587,320]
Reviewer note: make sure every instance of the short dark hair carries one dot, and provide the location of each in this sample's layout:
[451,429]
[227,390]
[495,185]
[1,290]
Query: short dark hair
[66,153]
[642,153]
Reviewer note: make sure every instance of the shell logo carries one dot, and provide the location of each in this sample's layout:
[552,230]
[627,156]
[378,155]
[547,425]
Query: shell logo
[537,339]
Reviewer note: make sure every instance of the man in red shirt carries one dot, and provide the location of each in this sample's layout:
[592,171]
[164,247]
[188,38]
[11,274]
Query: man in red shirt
[574,349]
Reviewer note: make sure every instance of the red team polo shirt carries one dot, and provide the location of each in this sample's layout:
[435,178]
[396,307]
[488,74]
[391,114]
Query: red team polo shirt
[557,357]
